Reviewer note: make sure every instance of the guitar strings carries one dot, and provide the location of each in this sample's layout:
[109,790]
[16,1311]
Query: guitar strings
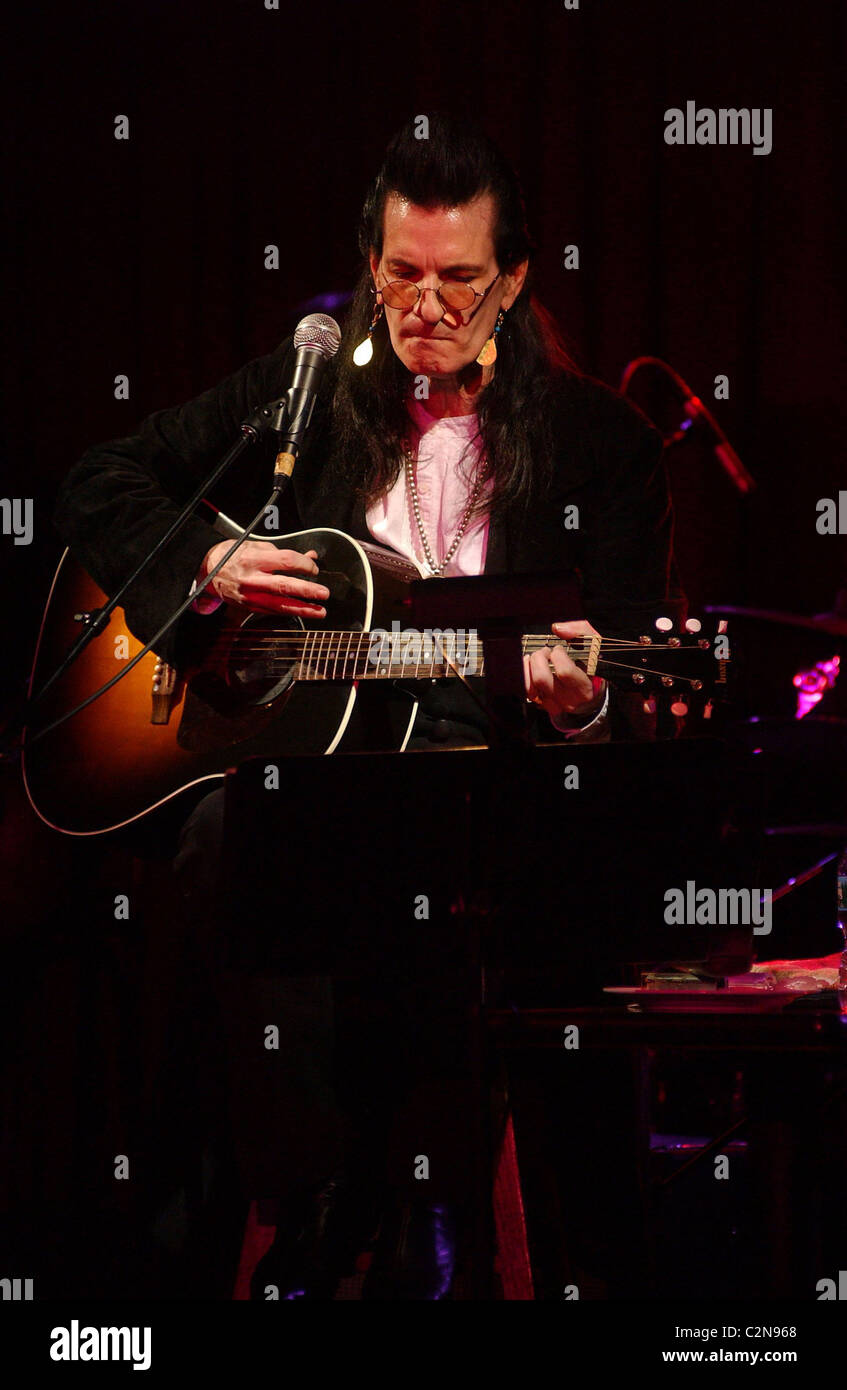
[303,633]
[645,670]
[322,658]
[327,646]
[391,670]
[334,638]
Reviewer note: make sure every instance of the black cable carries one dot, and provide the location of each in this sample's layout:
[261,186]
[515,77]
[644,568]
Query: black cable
[251,430]
[249,436]
[69,714]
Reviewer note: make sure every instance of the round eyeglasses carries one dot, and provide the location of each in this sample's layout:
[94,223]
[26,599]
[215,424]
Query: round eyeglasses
[456,295]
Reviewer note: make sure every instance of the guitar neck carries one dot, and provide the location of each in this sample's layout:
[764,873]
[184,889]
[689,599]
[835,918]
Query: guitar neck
[327,655]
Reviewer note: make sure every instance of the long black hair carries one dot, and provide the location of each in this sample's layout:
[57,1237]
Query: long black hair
[455,164]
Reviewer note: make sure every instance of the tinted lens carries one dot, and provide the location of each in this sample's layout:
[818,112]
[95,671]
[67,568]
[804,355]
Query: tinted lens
[456,295]
[400,294]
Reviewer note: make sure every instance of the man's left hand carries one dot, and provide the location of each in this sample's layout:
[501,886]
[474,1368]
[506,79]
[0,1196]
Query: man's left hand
[556,684]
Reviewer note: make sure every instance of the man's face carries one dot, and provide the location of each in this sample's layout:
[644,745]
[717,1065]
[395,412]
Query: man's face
[429,246]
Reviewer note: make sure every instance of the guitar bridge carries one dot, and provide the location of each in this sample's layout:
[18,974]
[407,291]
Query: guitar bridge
[166,685]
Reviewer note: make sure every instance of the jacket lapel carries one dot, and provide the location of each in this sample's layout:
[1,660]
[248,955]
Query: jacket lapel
[498,555]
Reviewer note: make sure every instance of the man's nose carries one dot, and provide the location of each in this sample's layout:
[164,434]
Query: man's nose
[429,306]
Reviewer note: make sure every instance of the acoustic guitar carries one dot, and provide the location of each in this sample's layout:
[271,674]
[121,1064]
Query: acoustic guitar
[271,685]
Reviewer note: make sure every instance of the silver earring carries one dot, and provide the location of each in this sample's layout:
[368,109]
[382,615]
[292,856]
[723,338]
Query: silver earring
[365,350]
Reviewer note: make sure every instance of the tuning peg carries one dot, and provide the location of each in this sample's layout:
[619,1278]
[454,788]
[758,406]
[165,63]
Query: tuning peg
[664,624]
[693,625]
[679,708]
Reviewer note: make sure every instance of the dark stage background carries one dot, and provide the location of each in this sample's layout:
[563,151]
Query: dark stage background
[251,126]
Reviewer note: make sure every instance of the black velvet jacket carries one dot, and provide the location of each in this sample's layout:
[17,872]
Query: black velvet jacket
[121,496]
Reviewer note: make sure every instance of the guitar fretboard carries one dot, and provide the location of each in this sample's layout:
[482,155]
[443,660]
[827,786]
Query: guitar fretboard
[347,655]
[372,656]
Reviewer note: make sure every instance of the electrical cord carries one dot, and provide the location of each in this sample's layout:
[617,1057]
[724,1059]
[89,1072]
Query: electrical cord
[201,588]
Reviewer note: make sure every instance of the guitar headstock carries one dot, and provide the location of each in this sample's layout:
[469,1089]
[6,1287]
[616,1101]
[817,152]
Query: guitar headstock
[688,664]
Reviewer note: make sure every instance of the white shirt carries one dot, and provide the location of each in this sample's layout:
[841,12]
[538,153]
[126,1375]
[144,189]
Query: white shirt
[448,460]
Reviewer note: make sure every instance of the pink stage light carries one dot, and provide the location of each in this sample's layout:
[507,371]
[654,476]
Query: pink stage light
[811,685]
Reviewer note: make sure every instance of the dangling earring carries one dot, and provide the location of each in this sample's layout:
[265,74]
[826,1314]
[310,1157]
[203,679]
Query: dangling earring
[365,351]
[488,352]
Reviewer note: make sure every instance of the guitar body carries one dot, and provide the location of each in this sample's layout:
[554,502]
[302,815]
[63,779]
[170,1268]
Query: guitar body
[158,732]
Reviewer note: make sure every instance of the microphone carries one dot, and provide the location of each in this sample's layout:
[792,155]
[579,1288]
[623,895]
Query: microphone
[316,339]
[699,418]
[698,415]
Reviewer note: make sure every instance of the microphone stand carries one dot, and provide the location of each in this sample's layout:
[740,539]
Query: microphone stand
[698,418]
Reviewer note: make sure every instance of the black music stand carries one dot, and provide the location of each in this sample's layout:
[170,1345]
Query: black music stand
[468,831]
[547,904]
[500,608]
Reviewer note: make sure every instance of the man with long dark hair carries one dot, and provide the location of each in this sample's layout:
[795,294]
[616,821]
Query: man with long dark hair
[452,428]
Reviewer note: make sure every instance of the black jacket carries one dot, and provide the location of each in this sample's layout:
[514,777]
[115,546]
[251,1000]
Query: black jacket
[121,496]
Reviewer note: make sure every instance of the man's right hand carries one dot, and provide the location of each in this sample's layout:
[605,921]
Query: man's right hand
[262,577]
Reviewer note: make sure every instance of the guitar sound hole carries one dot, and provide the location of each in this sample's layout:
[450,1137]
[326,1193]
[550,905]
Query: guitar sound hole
[263,658]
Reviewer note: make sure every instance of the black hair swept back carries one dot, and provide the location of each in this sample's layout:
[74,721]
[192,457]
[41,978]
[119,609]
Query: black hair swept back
[455,164]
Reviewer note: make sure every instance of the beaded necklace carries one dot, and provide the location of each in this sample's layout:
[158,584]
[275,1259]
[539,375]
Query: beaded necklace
[437,570]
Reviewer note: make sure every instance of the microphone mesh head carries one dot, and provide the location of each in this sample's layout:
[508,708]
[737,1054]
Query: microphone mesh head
[318,331]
